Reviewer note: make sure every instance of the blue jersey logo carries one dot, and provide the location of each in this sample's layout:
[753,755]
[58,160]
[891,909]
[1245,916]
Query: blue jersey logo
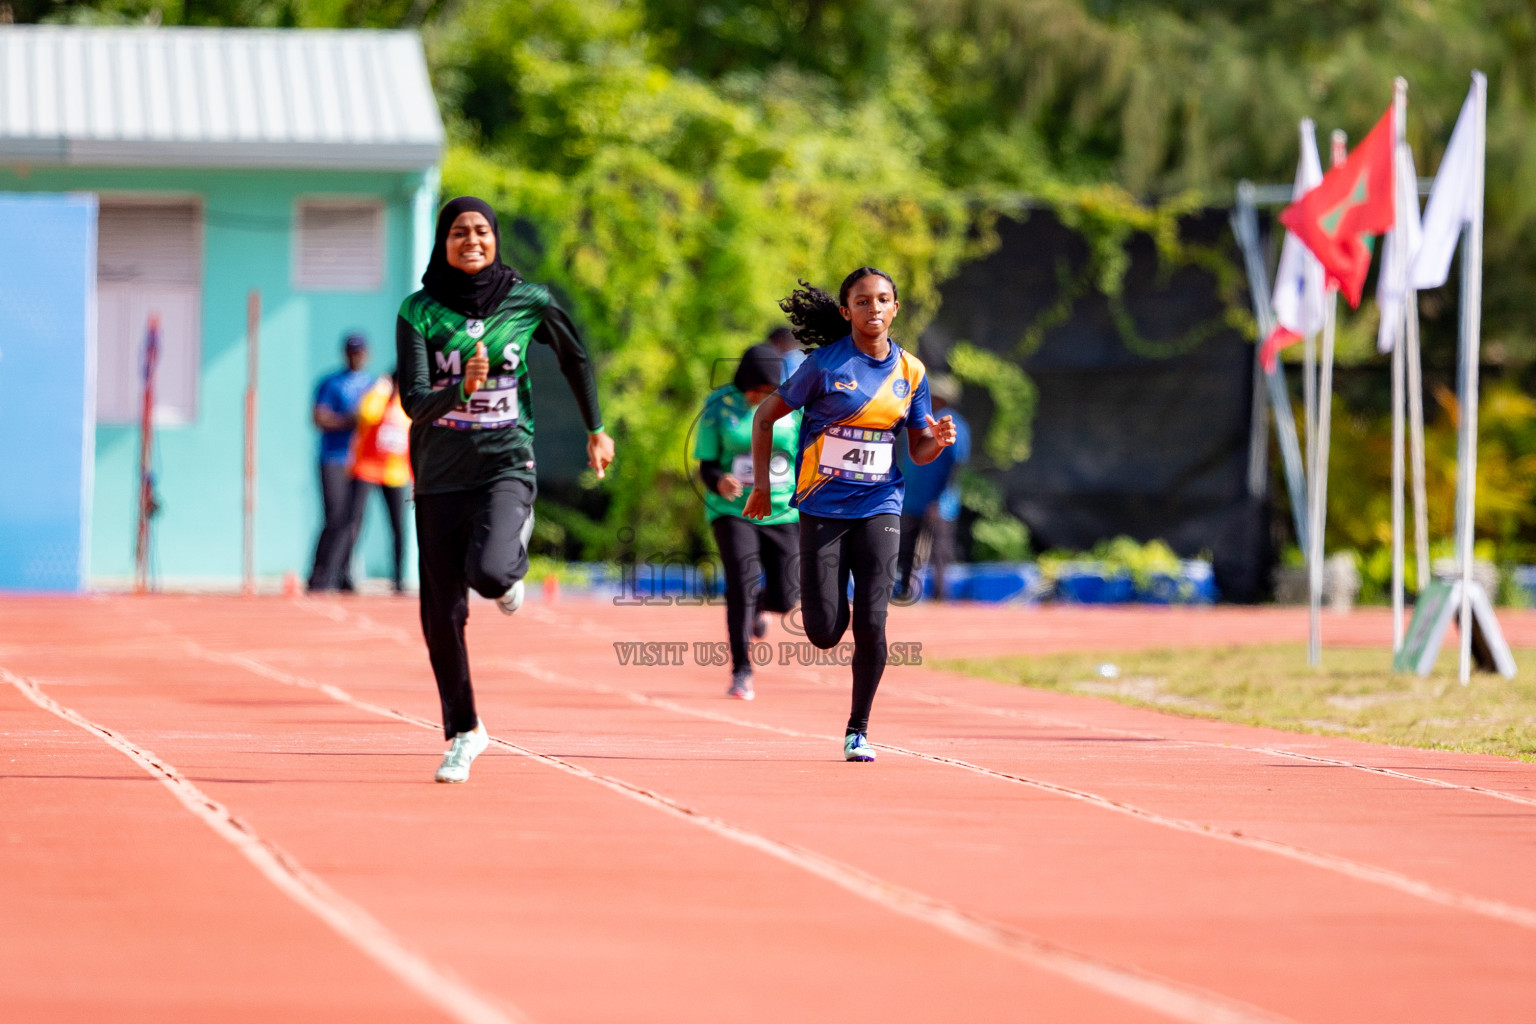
[900,387]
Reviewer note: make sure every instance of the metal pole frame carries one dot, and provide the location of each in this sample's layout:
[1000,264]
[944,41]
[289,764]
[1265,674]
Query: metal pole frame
[252,363]
[1317,489]
[146,503]
[1245,225]
[1400,272]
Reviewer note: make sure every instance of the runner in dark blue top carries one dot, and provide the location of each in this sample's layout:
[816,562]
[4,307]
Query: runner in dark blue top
[859,391]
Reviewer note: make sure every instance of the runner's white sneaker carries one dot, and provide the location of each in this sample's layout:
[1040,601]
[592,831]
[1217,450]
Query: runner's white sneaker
[512,600]
[466,746]
[857,748]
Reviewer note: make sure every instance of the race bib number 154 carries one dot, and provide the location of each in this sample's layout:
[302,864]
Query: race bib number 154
[493,407]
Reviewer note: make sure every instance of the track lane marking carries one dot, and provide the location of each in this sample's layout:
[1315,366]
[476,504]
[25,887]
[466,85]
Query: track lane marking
[587,627]
[1151,991]
[435,985]
[1498,910]
[1427,780]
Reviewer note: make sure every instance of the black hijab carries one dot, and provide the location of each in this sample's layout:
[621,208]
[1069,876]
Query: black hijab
[474,295]
[759,367]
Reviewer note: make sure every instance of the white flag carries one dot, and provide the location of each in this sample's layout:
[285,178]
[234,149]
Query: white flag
[1401,246]
[1455,200]
[1298,295]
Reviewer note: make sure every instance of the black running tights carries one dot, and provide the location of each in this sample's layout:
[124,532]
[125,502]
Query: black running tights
[466,539]
[759,563]
[833,551]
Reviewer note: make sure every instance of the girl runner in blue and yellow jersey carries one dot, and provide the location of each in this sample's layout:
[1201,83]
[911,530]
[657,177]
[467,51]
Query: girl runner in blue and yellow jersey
[860,391]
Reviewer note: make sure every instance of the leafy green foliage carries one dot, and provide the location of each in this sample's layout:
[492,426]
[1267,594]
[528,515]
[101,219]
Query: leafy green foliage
[1013,397]
[996,534]
[1119,556]
[673,216]
[672,167]
[1360,473]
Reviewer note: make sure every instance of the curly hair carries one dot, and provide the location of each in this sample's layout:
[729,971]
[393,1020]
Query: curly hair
[816,314]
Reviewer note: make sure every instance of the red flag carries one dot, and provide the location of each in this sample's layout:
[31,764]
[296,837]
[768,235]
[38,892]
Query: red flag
[1353,200]
[1279,338]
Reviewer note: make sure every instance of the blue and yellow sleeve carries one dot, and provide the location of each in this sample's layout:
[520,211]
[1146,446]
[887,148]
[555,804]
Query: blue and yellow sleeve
[921,407]
[803,385]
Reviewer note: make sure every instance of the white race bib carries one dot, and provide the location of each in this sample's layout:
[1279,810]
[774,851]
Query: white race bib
[856,454]
[493,407]
[393,439]
[780,469]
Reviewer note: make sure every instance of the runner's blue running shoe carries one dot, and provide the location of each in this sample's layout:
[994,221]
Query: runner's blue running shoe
[857,748]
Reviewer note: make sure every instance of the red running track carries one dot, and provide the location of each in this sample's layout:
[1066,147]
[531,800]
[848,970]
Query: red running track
[221,809]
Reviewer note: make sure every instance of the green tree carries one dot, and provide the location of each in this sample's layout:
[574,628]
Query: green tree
[674,215]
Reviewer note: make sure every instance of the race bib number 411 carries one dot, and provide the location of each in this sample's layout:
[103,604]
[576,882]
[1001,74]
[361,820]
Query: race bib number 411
[852,453]
[493,407]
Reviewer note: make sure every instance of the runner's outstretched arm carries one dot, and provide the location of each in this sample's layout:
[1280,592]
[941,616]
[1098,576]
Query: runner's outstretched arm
[760,502]
[557,331]
[925,443]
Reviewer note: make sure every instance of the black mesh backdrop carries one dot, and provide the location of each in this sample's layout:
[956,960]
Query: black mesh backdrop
[1125,442]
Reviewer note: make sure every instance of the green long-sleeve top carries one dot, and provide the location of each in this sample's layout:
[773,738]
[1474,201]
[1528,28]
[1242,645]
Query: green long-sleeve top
[458,443]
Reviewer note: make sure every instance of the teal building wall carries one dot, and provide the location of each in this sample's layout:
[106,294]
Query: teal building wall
[248,218]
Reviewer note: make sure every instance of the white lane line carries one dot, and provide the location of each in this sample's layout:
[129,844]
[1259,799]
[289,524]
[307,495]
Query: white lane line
[1052,720]
[1496,909]
[1428,780]
[339,614]
[1499,910]
[1153,992]
[587,627]
[434,984]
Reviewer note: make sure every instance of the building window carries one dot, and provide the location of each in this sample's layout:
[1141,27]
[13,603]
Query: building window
[149,260]
[338,245]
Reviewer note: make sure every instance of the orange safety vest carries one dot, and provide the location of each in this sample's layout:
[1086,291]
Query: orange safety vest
[381,445]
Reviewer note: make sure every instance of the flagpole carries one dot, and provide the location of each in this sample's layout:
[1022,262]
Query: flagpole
[1471,322]
[1400,243]
[1309,418]
[1317,489]
[1309,424]
[147,508]
[1415,399]
[1311,540]
[1416,439]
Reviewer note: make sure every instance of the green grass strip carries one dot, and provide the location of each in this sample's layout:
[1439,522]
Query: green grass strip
[1353,694]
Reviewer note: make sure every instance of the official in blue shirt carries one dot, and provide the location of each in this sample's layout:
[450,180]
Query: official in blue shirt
[860,393]
[931,508]
[335,413]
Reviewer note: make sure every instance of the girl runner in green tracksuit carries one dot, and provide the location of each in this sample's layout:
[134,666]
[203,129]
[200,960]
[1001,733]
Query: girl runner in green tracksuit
[760,559]
[461,344]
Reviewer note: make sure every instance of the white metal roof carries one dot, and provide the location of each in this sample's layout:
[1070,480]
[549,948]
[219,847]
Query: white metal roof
[212,97]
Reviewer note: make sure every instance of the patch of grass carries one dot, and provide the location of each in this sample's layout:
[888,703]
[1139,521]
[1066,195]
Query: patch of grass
[1352,695]
[542,566]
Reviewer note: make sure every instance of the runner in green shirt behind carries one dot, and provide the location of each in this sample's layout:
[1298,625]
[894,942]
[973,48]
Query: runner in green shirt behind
[760,559]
